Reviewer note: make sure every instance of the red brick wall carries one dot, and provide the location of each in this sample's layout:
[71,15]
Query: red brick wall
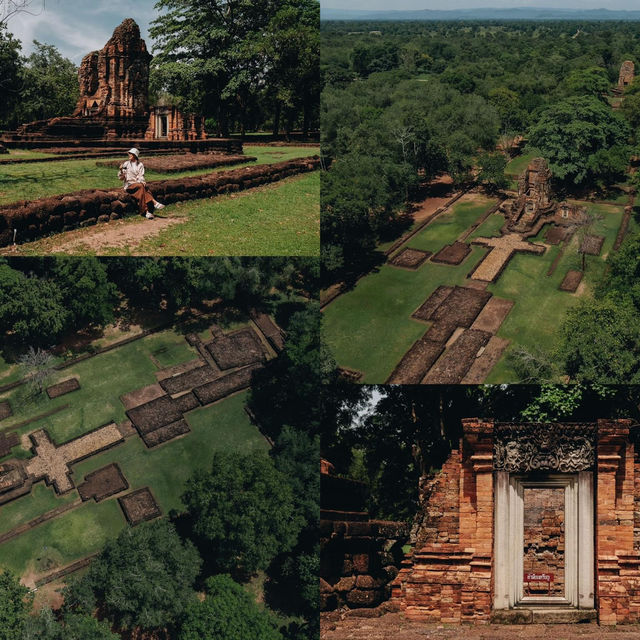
[447,578]
[448,575]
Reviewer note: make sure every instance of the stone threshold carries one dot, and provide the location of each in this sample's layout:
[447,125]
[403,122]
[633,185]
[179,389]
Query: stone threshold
[543,615]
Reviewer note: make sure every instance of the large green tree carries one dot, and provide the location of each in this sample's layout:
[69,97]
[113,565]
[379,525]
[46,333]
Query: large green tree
[142,579]
[49,85]
[10,82]
[227,613]
[15,604]
[242,510]
[223,56]
[584,141]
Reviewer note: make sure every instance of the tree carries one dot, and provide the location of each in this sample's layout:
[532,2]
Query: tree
[242,510]
[142,579]
[285,391]
[45,626]
[491,174]
[10,8]
[15,604]
[227,613]
[219,56]
[571,135]
[88,294]
[600,340]
[31,309]
[37,365]
[49,85]
[10,69]
[589,82]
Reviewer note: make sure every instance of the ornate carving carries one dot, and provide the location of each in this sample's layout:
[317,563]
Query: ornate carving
[544,447]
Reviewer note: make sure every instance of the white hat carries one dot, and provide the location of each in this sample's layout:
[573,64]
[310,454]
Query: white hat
[135,152]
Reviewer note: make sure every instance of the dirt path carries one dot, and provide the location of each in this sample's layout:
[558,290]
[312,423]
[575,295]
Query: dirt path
[125,234]
[393,626]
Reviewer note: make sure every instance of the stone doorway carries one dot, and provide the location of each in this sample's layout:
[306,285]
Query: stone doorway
[544,542]
[162,127]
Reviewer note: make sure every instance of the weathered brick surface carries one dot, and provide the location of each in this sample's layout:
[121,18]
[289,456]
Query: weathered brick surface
[448,577]
[359,557]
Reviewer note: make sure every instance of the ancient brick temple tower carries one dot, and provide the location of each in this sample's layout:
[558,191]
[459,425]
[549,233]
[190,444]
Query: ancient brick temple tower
[114,82]
[114,100]
[627,73]
[528,523]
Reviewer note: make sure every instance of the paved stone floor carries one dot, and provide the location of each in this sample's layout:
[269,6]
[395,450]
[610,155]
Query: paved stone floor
[393,626]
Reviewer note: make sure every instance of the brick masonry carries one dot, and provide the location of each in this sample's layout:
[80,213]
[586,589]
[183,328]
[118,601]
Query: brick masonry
[448,577]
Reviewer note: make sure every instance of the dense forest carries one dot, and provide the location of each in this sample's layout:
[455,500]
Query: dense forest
[249,513]
[390,436]
[244,67]
[403,103]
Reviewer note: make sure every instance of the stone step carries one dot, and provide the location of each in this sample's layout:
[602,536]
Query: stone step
[546,615]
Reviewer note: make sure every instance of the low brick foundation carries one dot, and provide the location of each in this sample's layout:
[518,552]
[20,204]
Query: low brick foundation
[359,557]
[29,220]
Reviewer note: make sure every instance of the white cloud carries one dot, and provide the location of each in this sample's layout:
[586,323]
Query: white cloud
[78,28]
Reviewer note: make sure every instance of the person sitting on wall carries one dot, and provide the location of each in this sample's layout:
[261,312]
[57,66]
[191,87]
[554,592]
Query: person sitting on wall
[132,172]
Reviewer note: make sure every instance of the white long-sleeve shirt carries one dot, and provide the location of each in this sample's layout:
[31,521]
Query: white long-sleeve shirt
[132,172]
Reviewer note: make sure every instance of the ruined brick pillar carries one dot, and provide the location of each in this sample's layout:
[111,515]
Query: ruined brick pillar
[617,574]
[448,576]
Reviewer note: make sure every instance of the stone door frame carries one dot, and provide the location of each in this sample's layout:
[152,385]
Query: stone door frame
[579,539]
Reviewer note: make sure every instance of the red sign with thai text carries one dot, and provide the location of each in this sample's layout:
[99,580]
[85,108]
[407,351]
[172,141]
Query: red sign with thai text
[538,577]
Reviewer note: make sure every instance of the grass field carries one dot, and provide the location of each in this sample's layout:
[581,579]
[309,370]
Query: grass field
[517,166]
[278,219]
[369,328]
[28,181]
[223,426]
[449,225]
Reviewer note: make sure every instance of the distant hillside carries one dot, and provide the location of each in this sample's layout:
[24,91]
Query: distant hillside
[520,13]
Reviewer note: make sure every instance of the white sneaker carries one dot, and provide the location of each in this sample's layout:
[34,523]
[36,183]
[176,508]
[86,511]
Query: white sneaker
[149,216]
[157,205]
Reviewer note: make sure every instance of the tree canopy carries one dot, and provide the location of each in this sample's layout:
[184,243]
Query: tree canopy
[242,510]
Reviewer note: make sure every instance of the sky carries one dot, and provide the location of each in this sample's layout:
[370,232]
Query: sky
[373,5]
[77,27]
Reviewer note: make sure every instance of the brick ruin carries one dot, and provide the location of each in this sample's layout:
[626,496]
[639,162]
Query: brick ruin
[528,523]
[534,205]
[114,100]
[156,414]
[627,74]
[359,556]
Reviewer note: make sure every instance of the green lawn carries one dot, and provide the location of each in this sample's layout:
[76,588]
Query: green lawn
[449,225]
[103,379]
[39,501]
[29,181]
[490,228]
[540,306]
[517,166]
[282,218]
[223,426]
[369,329]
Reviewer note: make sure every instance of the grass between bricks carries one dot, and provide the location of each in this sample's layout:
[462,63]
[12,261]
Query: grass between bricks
[223,426]
[281,218]
[30,181]
[103,379]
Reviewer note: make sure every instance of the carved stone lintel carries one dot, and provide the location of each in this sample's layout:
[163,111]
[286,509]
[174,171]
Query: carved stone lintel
[566,448]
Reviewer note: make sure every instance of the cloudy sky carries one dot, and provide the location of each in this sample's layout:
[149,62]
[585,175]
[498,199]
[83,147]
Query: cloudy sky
[475,4]
[77,27]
